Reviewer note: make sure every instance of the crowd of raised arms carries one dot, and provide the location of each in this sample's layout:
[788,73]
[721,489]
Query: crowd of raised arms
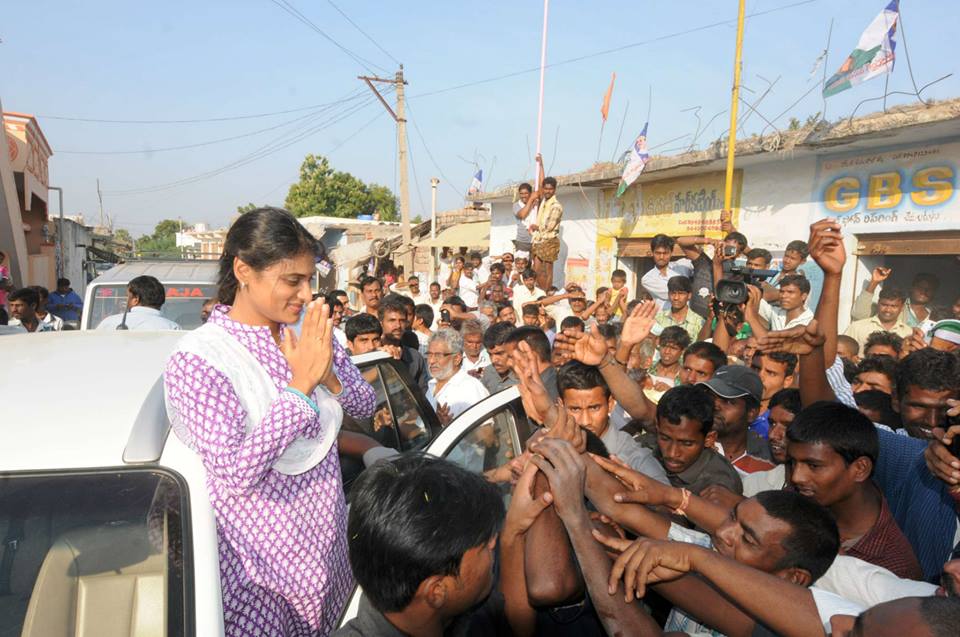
[698,467]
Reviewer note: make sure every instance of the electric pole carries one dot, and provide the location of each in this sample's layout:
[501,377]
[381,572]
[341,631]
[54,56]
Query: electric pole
[100,199]
[400,118]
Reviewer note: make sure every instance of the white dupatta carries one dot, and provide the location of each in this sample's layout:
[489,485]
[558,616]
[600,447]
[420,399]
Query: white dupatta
[256,391]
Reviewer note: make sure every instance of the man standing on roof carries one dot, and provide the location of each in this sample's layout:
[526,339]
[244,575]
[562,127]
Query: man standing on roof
[546,232]
[145,297]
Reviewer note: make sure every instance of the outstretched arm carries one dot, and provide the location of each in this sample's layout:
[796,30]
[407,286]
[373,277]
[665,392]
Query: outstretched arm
[826,249]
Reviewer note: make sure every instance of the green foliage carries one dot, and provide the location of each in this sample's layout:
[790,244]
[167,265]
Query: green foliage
[123,235]
[163,241]
[247,208]
[323,191]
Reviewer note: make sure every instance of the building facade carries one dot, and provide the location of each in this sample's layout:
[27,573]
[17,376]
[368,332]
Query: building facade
[888,178]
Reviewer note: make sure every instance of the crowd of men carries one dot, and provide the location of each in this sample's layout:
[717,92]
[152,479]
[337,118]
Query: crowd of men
[698,466]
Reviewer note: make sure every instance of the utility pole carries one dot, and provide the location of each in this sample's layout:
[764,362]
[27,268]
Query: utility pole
[434,182]
[100,199]
[60,256]
[400,118]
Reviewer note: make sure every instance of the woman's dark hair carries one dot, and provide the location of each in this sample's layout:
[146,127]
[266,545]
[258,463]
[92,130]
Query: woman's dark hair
[261,238]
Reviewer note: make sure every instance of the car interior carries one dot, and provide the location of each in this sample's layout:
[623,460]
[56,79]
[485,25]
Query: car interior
[95,553]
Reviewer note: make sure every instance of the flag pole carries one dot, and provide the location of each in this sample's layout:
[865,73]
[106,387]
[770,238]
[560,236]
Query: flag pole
[543,64]
[734,100]
[600,141]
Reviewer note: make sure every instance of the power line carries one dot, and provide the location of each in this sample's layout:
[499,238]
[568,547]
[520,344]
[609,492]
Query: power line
[195,145]
[364,33]
[416,179]
[342,143]
[429,154]
[588,56]
[293,11]
[232,118]
[290,138]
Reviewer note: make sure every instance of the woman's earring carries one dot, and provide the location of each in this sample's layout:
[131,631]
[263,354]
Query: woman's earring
[243,285]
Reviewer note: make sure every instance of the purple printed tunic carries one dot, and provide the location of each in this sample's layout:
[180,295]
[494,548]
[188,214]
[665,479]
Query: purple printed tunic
[282,538]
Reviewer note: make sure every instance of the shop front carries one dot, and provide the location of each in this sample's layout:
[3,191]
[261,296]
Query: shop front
[900,205]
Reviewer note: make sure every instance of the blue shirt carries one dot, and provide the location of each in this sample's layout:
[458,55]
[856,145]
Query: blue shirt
[70,298]
[761,425]
[919,502]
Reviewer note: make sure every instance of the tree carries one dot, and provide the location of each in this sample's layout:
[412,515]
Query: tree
[247,208]
[163,241]
[324,191]
[123,236]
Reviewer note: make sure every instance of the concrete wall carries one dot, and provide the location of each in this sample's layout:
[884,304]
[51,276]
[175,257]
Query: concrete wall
[75,239]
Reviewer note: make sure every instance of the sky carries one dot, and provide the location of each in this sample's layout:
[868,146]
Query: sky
[230,59]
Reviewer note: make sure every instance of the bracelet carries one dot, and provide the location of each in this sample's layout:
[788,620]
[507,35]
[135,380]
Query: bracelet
[684,502]
[306,399]
[606,361]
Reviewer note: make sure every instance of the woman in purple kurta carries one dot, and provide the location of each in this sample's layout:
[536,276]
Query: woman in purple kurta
[282,537]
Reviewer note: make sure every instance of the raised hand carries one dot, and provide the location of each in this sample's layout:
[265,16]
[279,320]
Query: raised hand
[826,246]
[559,425]
[641,489]
[914,342]
[799,340]
[880,274]
[939,456]
[443,414]
[311,356]
[589,347]
[524,507]
[566,473]
[637,326]
[536,399]
[648,562]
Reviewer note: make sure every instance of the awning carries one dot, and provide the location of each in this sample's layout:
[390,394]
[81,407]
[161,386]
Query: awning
[475,234]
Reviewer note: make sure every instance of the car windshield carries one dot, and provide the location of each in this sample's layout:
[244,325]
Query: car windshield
[183,305]
[96,553]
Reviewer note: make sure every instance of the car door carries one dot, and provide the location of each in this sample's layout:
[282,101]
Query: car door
[489,434]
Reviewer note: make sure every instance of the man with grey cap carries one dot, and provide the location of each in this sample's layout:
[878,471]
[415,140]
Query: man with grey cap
[737,394]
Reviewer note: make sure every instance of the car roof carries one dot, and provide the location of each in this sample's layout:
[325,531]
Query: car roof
[164,271]
[65,404]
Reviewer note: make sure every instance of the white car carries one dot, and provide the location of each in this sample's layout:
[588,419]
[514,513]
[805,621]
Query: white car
[105,524]
[187,284]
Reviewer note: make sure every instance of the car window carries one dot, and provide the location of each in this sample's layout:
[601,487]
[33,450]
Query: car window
[397,421]
[97,553]
[489,444]
[182,306]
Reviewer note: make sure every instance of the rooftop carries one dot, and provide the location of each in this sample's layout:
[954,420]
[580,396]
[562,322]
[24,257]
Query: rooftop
[934,120]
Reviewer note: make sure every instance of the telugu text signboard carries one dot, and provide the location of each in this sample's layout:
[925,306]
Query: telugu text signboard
[903,189]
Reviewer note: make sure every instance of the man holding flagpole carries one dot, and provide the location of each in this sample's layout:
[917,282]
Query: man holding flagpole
[546,233]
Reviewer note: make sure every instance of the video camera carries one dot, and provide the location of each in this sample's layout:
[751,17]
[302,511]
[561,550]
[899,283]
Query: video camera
[732,289]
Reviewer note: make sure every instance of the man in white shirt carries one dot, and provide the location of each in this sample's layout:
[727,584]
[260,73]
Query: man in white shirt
[145,297]
[451,390]
[52,321]
[468,286]
[411,290]
[526,292]
[435,301]
[475,357]
[655,280]
[793,311]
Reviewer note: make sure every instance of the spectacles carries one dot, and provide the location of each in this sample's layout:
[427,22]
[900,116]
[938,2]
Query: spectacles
[440,355]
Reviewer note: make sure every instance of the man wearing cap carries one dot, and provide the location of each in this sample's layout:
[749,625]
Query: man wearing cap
[738,392]
[945,335]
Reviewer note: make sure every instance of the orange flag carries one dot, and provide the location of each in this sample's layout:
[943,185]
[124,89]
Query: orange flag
[605,108]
